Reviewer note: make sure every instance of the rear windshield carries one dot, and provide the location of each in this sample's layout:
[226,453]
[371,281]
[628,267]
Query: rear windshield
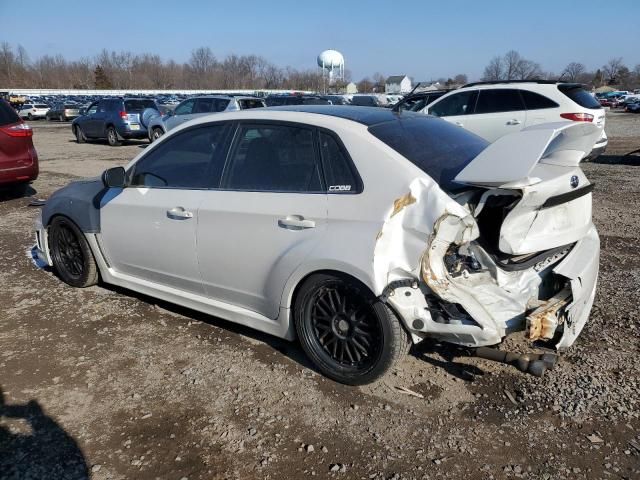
[437,147]
[139,105]
[7,114]
[580,96]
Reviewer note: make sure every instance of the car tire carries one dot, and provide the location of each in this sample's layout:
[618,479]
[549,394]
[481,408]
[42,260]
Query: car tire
[349,334]
[29,116]
[156,133]
[47,117]
[112,137]
[72,258]
[80,138]
[63,118]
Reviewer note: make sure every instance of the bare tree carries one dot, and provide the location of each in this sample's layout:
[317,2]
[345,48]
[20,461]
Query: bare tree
[494,71]
[573,71]
[612,68]
[460,79]
[511,66]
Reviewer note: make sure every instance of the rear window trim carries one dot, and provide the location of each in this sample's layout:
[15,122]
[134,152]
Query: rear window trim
[350,163]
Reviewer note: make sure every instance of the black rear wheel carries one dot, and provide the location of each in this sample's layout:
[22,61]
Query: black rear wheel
[71,255]
[350,335]
[112,137]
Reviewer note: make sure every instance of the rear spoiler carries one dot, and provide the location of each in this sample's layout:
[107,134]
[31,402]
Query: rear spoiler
[508,161]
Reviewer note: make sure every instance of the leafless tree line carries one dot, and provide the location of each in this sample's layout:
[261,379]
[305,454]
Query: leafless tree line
[126,70]
[512,66]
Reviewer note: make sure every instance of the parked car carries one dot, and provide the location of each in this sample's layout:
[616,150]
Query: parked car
[418,100]
[335,99]
[366,101]
[18,157]
[283,100]
[633,107]
[494,109]
[63,112]
[274,219]
[113,119]
[33,111]
[198,106]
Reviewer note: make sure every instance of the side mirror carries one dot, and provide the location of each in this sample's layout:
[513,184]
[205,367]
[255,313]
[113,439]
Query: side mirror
[114,177]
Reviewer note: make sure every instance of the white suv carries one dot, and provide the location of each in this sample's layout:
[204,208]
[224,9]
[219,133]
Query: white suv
[494,109]
[33,110]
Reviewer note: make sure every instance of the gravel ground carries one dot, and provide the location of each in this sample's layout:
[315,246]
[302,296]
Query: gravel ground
[103,383]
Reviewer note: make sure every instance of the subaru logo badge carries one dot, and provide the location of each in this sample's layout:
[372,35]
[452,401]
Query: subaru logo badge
[575,181]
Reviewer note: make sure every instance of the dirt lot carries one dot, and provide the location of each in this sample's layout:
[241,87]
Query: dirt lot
[106,384]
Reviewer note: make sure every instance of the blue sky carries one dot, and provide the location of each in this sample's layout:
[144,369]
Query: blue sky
[422,39]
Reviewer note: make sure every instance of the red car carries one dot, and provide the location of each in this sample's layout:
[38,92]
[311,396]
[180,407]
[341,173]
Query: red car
[18,157]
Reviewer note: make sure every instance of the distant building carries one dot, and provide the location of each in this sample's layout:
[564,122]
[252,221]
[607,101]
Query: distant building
[352,88]
[397,84]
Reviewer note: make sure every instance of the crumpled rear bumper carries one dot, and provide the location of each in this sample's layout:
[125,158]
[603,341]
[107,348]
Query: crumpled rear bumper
[581,268]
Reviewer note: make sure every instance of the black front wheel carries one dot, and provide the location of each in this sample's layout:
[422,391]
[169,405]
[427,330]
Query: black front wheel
[350,335]
[156,133]
[71,255]
[80,138]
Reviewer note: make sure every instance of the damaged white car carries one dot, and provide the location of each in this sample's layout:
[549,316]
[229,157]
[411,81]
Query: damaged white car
[356,230]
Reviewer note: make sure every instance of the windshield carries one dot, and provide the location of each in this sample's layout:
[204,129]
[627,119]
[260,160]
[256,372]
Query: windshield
[437,147]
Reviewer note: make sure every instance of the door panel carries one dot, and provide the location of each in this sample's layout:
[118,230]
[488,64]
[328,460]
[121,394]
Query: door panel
[143,236]
[248,248]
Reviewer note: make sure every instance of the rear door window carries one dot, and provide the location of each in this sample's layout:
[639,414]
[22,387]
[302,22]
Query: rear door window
[580,96]
[499,100]
[247,103]
[274,158]
[7,114]
[462,103]
[339,171]
[186,107]
[192,159]
[535,101]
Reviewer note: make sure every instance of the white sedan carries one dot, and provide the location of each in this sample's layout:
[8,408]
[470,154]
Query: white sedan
[356,230]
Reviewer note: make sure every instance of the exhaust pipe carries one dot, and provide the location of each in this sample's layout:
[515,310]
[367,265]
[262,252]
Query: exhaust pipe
[532,363]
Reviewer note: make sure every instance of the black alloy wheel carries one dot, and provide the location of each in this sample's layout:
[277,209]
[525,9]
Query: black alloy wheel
[349,334]
[71,255]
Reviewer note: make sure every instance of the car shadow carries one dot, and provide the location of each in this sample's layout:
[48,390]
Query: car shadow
[43,451]
[291,350]
[631,158]
[429,350]
[13,193]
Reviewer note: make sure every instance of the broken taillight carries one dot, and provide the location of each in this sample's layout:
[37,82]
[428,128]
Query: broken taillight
[578,117]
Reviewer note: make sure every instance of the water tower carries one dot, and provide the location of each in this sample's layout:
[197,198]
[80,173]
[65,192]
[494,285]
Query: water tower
[331,63]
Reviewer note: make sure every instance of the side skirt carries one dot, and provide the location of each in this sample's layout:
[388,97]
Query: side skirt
[226,311]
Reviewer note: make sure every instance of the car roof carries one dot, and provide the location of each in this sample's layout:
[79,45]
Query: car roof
[365,115]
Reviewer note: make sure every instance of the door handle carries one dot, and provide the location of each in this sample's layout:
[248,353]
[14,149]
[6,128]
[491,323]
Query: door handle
[295,222]
[460,124]
[514,121]
[179,213]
